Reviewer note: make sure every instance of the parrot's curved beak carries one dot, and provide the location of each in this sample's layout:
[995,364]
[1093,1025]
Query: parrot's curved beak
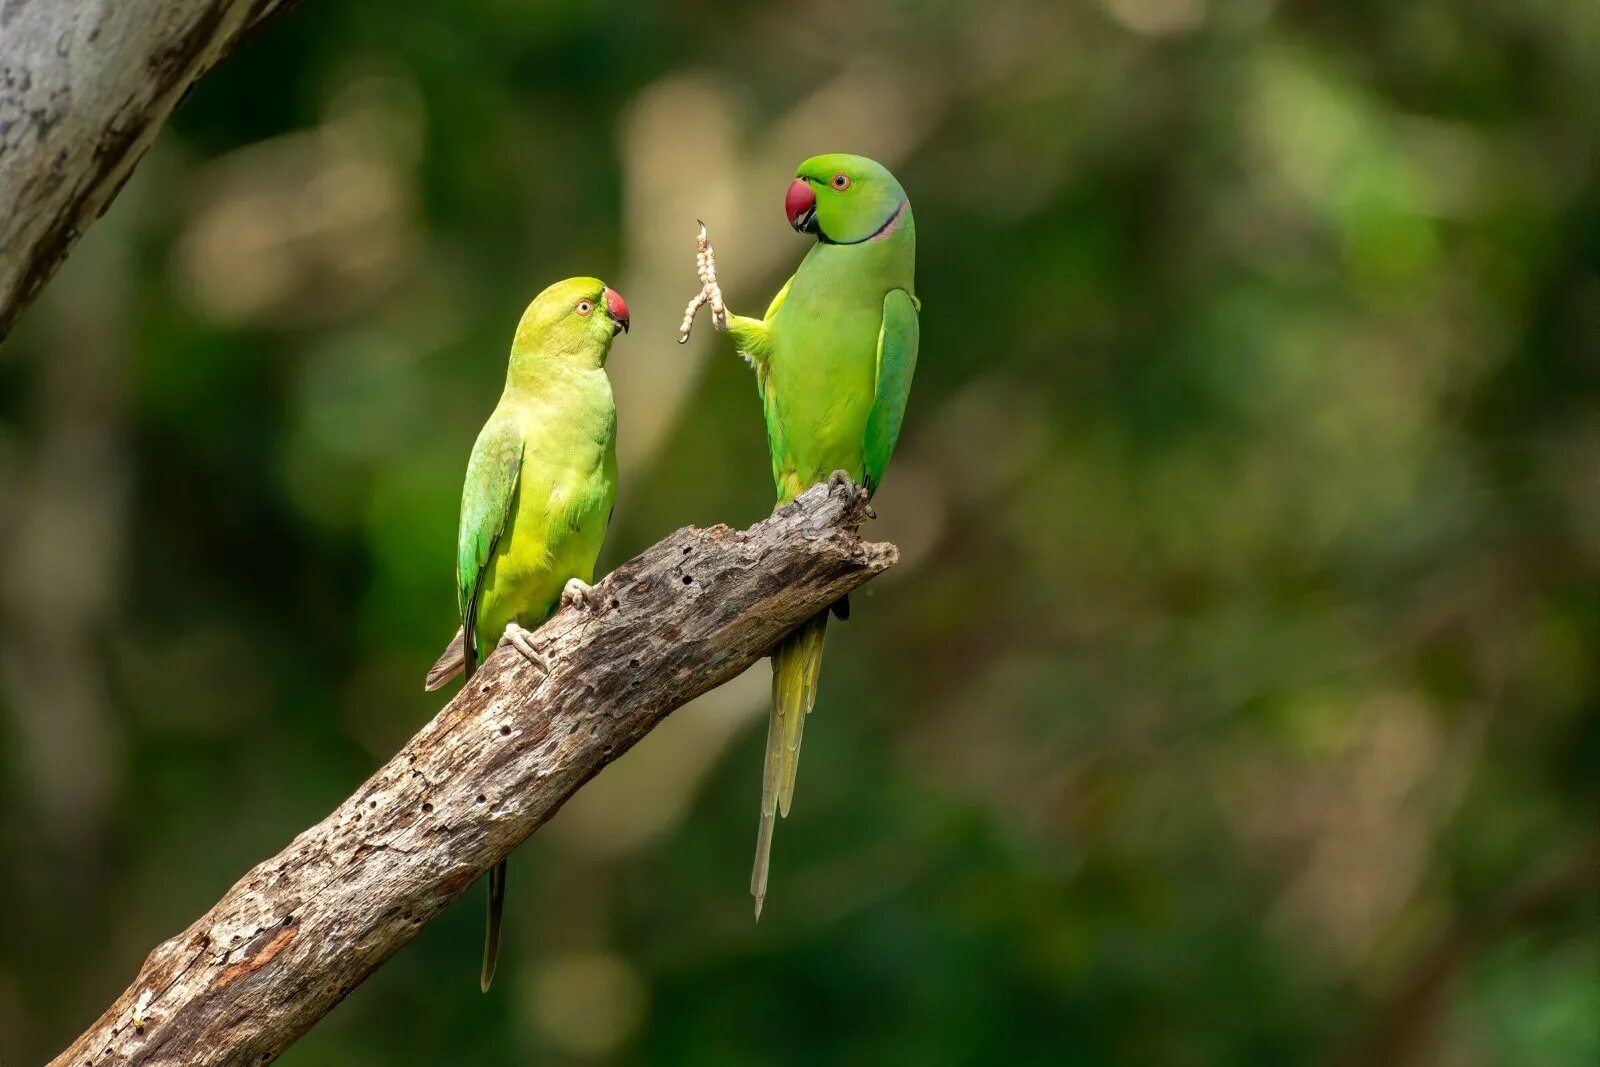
[618,308]
[801,206]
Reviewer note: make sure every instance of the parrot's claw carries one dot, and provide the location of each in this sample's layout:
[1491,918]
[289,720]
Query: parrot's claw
[705,265]
[522,640]
[577,592]
[839,480]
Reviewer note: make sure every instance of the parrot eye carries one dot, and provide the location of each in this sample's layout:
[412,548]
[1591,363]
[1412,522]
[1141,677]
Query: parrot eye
[841,181]
[584,307]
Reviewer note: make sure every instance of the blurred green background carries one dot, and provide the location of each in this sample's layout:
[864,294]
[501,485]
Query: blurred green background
[1234,702]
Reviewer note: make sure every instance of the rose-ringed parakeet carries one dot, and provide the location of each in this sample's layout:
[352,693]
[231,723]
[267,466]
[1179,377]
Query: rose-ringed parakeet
[833,359]
[539,491]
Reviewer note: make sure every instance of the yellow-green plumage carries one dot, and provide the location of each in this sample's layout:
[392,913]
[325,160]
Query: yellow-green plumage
[539,489]
[562,437]
[834,357]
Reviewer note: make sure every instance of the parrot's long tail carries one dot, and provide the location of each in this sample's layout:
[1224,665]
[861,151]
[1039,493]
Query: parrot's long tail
[796,667]
[456,659]
[451,662]
[491,933]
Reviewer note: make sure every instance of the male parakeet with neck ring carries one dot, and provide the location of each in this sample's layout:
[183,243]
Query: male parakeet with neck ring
[539,491]
[833,358]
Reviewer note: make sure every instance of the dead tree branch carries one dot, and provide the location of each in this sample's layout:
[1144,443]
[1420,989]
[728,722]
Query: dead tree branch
[301,930]
[84,86]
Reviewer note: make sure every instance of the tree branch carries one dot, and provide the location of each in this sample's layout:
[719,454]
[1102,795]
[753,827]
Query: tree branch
[301,930]
[84,86]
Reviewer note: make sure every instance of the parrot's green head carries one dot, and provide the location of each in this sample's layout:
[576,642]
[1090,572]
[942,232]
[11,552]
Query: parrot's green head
[845,199]
[571,321]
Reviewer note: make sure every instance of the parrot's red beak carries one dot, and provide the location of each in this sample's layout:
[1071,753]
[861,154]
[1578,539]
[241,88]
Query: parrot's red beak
[619,311]
[801,206]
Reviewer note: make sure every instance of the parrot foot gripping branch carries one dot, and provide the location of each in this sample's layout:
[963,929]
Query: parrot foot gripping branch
[521,639]
[576,593]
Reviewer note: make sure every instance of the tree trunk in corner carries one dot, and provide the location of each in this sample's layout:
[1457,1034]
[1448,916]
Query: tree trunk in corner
[84,86]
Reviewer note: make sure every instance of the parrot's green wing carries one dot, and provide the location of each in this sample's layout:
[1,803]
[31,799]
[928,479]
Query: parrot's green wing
[897,362]
[486,500]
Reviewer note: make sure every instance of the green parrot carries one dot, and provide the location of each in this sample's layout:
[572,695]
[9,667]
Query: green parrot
[833,359]
[538,496]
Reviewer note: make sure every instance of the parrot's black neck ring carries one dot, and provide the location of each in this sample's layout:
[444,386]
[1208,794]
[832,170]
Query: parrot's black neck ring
[888,224]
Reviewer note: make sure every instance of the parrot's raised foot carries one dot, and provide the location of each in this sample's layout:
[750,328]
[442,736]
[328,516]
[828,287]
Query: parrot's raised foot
[705,265]
[577,592]
[522,640]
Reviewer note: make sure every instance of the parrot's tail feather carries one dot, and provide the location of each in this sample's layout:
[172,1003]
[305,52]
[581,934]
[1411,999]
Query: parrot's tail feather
[491,935]
[758,877]
[451,662]
[796,668]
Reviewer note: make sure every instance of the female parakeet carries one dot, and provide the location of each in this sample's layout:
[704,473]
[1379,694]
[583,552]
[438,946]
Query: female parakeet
[539,491]
[833,358]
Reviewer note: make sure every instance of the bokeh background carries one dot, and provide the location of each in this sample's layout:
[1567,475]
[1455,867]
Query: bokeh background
[1234,702]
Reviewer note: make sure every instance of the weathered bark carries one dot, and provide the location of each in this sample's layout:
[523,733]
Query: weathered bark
[84,86]
[301,930]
